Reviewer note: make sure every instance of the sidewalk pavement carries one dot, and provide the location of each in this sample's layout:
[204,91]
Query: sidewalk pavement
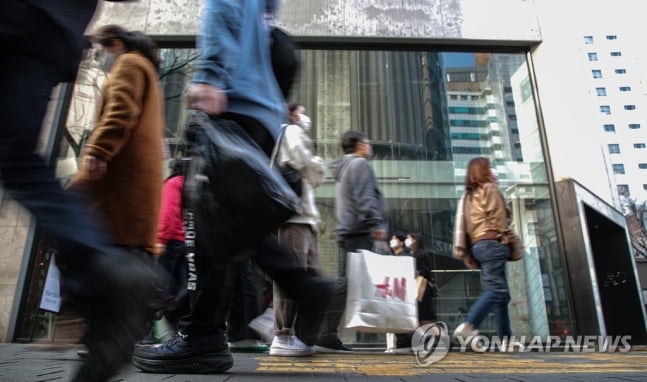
[35,363]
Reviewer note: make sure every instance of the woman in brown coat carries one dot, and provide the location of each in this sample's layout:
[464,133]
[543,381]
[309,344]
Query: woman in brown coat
[121,170]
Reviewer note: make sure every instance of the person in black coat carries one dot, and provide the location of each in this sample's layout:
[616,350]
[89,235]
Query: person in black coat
[426,312]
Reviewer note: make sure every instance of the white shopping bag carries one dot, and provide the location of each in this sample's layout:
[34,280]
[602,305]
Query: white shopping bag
[381,293]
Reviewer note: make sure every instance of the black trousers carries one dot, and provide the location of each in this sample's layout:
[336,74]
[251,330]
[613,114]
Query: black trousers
[212,275]
[245,304]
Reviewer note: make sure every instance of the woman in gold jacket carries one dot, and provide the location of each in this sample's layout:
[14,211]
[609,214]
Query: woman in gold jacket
[486,220]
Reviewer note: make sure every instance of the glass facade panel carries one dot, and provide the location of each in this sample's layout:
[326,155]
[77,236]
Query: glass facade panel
[427,113]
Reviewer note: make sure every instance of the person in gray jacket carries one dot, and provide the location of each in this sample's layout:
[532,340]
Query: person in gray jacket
[360,212]
[359,205]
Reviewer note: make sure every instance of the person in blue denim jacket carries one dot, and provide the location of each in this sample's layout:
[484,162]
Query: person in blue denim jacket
[235,82]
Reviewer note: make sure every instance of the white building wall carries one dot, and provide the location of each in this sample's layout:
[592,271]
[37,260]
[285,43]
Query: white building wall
[577,142]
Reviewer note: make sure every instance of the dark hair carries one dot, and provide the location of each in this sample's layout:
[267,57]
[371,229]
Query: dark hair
[419,242]
[292,106]
[400,235]
[133,41]
[478,173]
[350,139]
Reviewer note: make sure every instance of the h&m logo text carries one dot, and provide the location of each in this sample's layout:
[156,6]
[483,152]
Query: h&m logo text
[397,290]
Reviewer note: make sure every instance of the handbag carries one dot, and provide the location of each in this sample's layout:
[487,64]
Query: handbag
[235,196]
[514,243]
[291,175]
[382,293]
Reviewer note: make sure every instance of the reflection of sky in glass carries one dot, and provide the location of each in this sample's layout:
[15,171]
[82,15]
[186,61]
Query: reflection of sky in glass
[455,60]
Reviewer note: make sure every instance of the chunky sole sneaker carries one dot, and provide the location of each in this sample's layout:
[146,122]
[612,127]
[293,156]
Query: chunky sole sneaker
[208,363]
[181,355]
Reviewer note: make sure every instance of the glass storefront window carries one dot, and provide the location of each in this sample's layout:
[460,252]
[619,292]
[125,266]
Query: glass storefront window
[427,113]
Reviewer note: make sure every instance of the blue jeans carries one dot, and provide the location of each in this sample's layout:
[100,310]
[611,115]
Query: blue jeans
[495,296]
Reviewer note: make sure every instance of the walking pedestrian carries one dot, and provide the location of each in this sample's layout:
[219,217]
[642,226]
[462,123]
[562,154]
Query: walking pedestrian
[485,220]
[360,212]
[171,245]
[299,233]
[234,81]
[42,43]
[121,169]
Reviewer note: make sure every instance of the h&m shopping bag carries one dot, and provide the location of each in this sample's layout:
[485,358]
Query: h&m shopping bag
[381,294]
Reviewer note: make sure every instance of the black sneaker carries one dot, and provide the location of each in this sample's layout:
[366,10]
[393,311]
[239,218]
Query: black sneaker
[184,356]
[332,346]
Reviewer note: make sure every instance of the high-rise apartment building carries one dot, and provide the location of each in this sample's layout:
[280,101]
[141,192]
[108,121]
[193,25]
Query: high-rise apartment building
[615,86]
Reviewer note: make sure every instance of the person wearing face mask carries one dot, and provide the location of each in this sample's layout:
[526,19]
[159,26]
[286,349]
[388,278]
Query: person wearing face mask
[426,288]
[360,209]
[121,171]
[299,233]
[398,248]
[397,243]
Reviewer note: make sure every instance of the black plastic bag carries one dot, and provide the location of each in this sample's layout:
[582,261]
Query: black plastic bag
[235,196]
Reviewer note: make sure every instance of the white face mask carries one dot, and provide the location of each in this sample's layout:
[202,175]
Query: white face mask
[106,59]
[394,243]
[408,242]
[304,122]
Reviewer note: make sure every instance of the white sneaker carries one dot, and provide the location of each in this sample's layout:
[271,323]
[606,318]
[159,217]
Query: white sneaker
[290,346]
[462,331]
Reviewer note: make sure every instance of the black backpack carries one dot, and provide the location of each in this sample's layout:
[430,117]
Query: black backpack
[285,59]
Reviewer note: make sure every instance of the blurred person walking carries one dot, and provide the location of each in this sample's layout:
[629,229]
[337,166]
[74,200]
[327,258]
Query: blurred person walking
[42,43]
[171,248]
[121,163]
[121,169]
[234,83]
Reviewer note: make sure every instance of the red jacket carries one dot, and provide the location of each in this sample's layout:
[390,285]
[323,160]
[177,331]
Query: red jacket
[170,223]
